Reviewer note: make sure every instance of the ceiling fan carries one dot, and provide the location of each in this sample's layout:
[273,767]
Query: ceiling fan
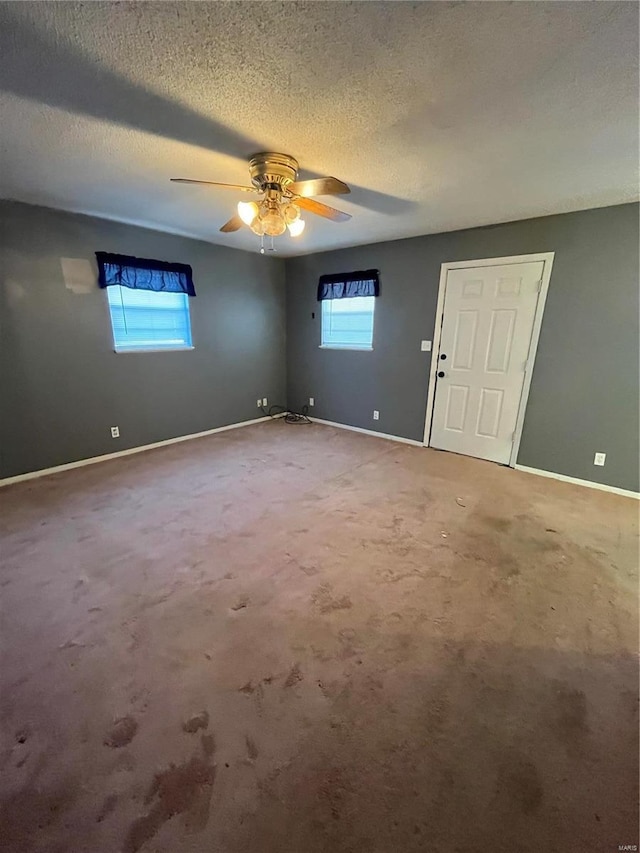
[281,197]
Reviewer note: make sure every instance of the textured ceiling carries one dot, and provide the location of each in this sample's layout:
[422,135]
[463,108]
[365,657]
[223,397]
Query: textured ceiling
[439,115]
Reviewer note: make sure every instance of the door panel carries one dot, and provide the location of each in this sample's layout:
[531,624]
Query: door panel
[489,412]
[464,339]
[500,340]
[486,332]
[456,407]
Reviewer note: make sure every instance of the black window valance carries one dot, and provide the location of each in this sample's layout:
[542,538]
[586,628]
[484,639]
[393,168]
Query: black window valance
[144,274]
[346,285]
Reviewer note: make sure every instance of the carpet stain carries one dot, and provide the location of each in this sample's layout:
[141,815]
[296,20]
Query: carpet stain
[326,602]
[571,723]
[335,791]
[295,676]
[519,782]
[259,698]
[179,790]
[121,733]
[502,525]
[196,722]
[252,749]
[208,745]
[107,807]
[31,810]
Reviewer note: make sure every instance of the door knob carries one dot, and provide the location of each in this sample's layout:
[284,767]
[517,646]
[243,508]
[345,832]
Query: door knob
[443,356]
[441,373]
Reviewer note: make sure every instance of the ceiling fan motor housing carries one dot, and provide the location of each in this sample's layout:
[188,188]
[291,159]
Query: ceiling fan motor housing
[272,171]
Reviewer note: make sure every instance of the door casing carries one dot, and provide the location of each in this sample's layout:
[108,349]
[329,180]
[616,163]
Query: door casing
[547,259]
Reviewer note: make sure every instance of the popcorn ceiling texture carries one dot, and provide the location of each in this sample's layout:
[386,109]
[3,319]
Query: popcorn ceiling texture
[439,115]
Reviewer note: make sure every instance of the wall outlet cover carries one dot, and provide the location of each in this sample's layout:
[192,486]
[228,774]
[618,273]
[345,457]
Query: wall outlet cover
[376,415]
[264,401]
[599,458]
[312,401]
[425,346]
[115,432]
[259,403]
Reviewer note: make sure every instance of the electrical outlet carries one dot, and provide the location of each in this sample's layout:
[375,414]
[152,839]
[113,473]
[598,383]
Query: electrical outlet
[599,458]
[115,432]
[376,415]
[259,404]
[265,402]
[425,346]
[312,402]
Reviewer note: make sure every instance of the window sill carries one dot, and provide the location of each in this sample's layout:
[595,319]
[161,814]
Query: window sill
[152,349]
[353,349]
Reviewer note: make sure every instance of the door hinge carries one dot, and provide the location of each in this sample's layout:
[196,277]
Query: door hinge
[538,286]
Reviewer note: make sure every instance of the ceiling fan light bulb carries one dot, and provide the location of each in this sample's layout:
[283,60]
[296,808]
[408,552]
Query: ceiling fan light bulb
[257,226]
[296,228]
[247,211]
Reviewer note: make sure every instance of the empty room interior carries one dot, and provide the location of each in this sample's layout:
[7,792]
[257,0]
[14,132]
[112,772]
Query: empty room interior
[319,427]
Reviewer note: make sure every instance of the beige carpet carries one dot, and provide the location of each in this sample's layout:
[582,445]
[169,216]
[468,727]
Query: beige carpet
[294,639]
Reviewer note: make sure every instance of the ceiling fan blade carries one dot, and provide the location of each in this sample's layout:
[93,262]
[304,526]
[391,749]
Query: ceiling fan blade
[214,184]
[319,186]
[234,224]
[321,209]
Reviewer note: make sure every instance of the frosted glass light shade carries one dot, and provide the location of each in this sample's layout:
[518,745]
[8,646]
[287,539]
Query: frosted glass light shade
[247,211]
[296,228]
[257,226]
[274,224]
[291,213]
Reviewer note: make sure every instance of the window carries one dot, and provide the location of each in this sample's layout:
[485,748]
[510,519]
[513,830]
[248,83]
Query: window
[348,323]
[144,320]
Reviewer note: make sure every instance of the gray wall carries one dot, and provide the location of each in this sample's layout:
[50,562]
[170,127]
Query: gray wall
[584,390]
[61,384]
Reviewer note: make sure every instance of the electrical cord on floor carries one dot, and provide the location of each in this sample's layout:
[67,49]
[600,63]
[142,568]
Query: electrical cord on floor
[290,417]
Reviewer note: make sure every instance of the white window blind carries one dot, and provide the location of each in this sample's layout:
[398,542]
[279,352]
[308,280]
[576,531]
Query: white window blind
[148,319]
[348,323]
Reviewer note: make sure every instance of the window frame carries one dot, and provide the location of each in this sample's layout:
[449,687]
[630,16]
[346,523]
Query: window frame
[119,350]
[350,347]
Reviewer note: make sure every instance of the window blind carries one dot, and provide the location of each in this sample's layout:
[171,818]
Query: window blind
[348,323]
[148,320]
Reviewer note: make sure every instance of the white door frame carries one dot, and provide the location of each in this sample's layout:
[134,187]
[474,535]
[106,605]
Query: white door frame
[547,259]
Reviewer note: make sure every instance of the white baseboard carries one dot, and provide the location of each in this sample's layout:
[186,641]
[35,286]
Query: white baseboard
[368,432]
[563,478]
[43,472]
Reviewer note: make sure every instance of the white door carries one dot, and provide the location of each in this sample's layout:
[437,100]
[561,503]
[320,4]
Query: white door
[484,345]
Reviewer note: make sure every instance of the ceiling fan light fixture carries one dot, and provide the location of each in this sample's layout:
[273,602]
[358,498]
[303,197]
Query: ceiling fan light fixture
[291,213]
[280,197]
[257,226]
[296,228]
[274,223]
[247,211]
